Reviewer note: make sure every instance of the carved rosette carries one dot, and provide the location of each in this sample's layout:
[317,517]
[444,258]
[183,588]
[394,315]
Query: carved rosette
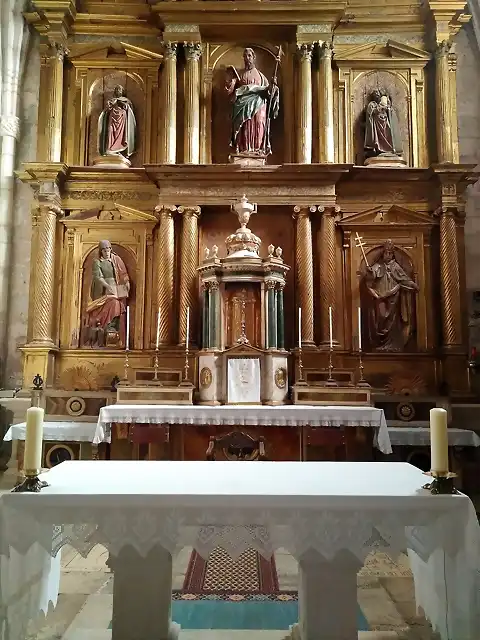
[328,272]
[188,271]
[450,278]
[164,271]
[304,270]
[44,292]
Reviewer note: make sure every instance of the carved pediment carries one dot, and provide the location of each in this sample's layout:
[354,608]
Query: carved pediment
[117,213]
[83,54]
[388,51]
[239,350]
[386,216]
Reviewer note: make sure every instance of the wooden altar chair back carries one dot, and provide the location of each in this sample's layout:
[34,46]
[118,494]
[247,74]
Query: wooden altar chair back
[237,445]
[153,435]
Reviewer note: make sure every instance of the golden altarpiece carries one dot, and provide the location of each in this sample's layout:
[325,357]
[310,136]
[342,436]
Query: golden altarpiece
[336,120]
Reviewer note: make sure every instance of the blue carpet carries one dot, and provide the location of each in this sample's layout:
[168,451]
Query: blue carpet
[220,614]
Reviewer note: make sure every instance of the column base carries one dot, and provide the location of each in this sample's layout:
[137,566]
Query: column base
[38,358]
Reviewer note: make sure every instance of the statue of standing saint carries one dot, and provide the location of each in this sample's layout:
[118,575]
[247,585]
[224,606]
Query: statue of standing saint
[390,304]
[382,132]
[255,103]
[117,129]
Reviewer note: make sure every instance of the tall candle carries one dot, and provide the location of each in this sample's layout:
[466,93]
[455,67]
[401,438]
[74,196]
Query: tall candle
[188,327]
[158,330]
[299,327]
[127,341]
[330,321]
[438,440]
[359,329]
[32,459]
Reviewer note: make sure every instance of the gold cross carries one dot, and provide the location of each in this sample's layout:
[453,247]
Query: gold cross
[360,244]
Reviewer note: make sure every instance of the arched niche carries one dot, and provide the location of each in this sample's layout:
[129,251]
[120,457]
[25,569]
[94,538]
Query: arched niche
[100,92]
[222,107]
[397,89]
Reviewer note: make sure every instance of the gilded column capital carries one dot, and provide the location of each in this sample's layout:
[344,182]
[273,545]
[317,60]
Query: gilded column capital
[334,211]
[271,284]
[57,51]
[190,212]
[213,285]
[170,50]
[165,211]
[305,51]
[444,48]
[325,50]
[303,211]
[280,286]
[193,50]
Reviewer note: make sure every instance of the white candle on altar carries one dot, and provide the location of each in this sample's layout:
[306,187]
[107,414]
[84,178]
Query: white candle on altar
[299,327]
[330,322]
[127,339]
[158,330]
[439,440]
[359,329]
[32,459]
[188,328]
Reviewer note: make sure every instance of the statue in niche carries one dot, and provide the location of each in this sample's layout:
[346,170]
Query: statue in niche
[390,303]
[255,103]
[383,142]
[109,292]
[117,129]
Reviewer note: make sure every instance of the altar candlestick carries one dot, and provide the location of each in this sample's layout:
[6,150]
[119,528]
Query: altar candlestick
[330,321]
[32,459]
[127,340]
[158,330]
[188,328]
[299,327]
[359,329]
[439,440]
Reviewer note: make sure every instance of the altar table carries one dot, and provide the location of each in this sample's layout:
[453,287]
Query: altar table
[329,515]
[251,415]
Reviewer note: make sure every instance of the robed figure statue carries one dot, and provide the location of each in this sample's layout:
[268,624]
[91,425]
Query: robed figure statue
[255,103]
[389,302]
[382,131]
[109,291]
[117,126]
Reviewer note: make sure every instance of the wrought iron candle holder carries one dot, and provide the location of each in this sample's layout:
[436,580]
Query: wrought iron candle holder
[443,483]
[362,383]
[331,382]
[32,483]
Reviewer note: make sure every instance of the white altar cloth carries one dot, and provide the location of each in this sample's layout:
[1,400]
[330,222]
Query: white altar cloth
[420,437]
[74,431]
[281,416]
[316,510]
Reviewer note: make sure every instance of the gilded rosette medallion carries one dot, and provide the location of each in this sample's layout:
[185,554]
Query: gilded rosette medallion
[281,377]
[205,377]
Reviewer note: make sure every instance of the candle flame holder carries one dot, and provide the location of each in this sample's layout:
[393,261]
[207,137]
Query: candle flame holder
[362,383]
[301,379]
[331,382]
[443,483]
[126,366]
[155,368]
[186,382]
[32,483]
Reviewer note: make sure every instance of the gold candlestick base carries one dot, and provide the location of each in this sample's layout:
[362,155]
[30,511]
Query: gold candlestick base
[126,366]
[186,382]
[32,483]
[443,483]
[155,368]
[301,380]
[362,383]
[331,382]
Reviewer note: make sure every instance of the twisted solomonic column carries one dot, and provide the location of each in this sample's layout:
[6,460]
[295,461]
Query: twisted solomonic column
[328,271]
[304,270]
[193,52]
[188,273]
[164,267]
[44,285]
[450,279]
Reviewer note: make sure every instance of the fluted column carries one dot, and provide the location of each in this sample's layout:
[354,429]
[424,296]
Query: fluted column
[272,314]
[205,316]
[450,279]
[280,317]
[53,131]
[164,272]
[44,286]
[326,142]
[193,52]
[214,321]
[444,116]
[168,151]
[304,270]
[304,90]
[328,271]
[188,273]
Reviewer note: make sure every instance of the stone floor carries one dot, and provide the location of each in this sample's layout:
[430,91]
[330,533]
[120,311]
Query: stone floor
[385,595]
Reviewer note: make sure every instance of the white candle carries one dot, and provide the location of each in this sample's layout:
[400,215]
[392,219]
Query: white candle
[330,321]
[439,440]
[127,340]
[158,330]
[32,459]
[359,329]
[188,327]
[299,327]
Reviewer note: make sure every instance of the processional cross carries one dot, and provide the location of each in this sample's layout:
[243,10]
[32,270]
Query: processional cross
[360,245]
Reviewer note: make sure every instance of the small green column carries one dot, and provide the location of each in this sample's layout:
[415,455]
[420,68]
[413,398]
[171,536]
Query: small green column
[280,318]
[205,320]
[214,309]
[272,315]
